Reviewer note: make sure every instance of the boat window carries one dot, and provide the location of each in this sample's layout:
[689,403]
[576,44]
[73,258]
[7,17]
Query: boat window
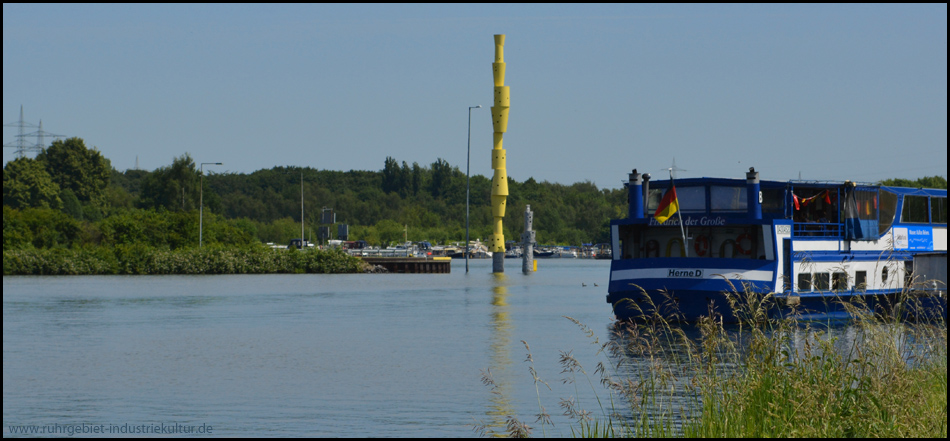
[867,204]
[628,242]
[728,199]
[840,281]
[888,210]
[728,242]
[915,209]
[938,209]
[861,279]
[816,205]
[860,213]
[773,201]
[653,199]
[804,281]
[822,281]
[690,199]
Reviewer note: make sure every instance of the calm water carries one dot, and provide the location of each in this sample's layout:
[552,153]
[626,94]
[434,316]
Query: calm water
[293,355]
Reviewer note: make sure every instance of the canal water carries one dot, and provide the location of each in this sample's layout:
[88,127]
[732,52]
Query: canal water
[399,355]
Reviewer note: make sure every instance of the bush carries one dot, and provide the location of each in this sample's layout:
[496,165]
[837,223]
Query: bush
[138,258]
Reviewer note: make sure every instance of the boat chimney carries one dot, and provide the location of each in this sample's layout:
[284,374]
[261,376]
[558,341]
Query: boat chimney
[754,197]
[635,195]
[646,191]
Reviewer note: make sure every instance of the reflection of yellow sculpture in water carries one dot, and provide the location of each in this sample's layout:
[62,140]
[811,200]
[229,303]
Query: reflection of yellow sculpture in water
[500,408]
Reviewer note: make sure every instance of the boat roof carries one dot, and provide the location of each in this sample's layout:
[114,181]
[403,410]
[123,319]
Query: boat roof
[916,191]
[689,182]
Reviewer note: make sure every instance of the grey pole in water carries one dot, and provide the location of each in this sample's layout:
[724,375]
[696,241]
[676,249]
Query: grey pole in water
[527,239]
[498,262]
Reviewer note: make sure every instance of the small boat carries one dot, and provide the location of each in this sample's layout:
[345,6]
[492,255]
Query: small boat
[602,251]
[475,251]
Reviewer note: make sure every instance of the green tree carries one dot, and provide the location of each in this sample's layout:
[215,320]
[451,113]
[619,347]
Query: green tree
[279,231]
[174,187]
[74,167]
[39,228]
[440,184]
[924,182]
[389,232]
[71,205]
[417,178]
[391,175]
[26,184]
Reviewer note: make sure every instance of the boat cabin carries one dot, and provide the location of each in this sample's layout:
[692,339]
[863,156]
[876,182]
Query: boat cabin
[724,218]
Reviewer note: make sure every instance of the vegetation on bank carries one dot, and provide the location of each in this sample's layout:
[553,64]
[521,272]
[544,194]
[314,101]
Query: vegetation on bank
[886,377]
[139,259]
[69,201]
[381,207]
[160,207]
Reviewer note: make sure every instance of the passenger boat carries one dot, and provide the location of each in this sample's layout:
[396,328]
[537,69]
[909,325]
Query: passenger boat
[807,246]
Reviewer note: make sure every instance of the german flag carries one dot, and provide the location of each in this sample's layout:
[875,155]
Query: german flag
[668,206]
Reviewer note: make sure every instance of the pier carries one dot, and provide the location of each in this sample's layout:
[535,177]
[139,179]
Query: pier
[413,265]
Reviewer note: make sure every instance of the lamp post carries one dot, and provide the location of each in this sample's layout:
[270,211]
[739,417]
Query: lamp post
[468,161]
[201,201]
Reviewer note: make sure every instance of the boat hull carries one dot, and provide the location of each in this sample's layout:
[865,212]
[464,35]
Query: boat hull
[730,307]
[687,289]
[682,290]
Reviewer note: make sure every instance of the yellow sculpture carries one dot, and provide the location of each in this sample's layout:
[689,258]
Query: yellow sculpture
[499,191]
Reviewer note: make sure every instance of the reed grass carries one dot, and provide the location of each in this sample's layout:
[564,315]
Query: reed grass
[763,376]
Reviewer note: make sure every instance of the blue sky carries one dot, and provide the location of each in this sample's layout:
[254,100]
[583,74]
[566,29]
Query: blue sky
[818,91]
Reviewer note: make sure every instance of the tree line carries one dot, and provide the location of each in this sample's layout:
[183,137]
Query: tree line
[70,196]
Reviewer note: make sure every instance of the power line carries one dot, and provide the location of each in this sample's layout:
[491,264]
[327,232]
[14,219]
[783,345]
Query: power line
[21,145]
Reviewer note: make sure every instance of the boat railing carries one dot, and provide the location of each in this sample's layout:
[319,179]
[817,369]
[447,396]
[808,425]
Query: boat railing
[817,229]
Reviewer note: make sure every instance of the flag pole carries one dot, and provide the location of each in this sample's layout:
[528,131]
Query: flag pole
[679,213]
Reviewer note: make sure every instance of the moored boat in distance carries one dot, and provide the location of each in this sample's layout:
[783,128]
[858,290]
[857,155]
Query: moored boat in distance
[807,245]
[476,250]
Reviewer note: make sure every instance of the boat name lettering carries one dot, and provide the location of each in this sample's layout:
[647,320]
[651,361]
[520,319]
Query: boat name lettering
[685,273]
[693,221]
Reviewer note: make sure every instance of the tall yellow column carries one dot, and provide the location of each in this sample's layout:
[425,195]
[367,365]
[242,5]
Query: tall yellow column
[499,190]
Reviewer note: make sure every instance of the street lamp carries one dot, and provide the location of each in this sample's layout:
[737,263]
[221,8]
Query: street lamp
[468,161]
[201,200]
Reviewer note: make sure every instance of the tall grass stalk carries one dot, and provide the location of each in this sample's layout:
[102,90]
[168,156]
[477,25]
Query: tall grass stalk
[796,379]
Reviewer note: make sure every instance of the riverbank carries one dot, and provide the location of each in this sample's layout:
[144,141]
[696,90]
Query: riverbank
[142,260]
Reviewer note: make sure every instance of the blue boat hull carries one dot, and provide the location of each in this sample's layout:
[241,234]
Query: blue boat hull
[731,290]
[731,306]
[687,289]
